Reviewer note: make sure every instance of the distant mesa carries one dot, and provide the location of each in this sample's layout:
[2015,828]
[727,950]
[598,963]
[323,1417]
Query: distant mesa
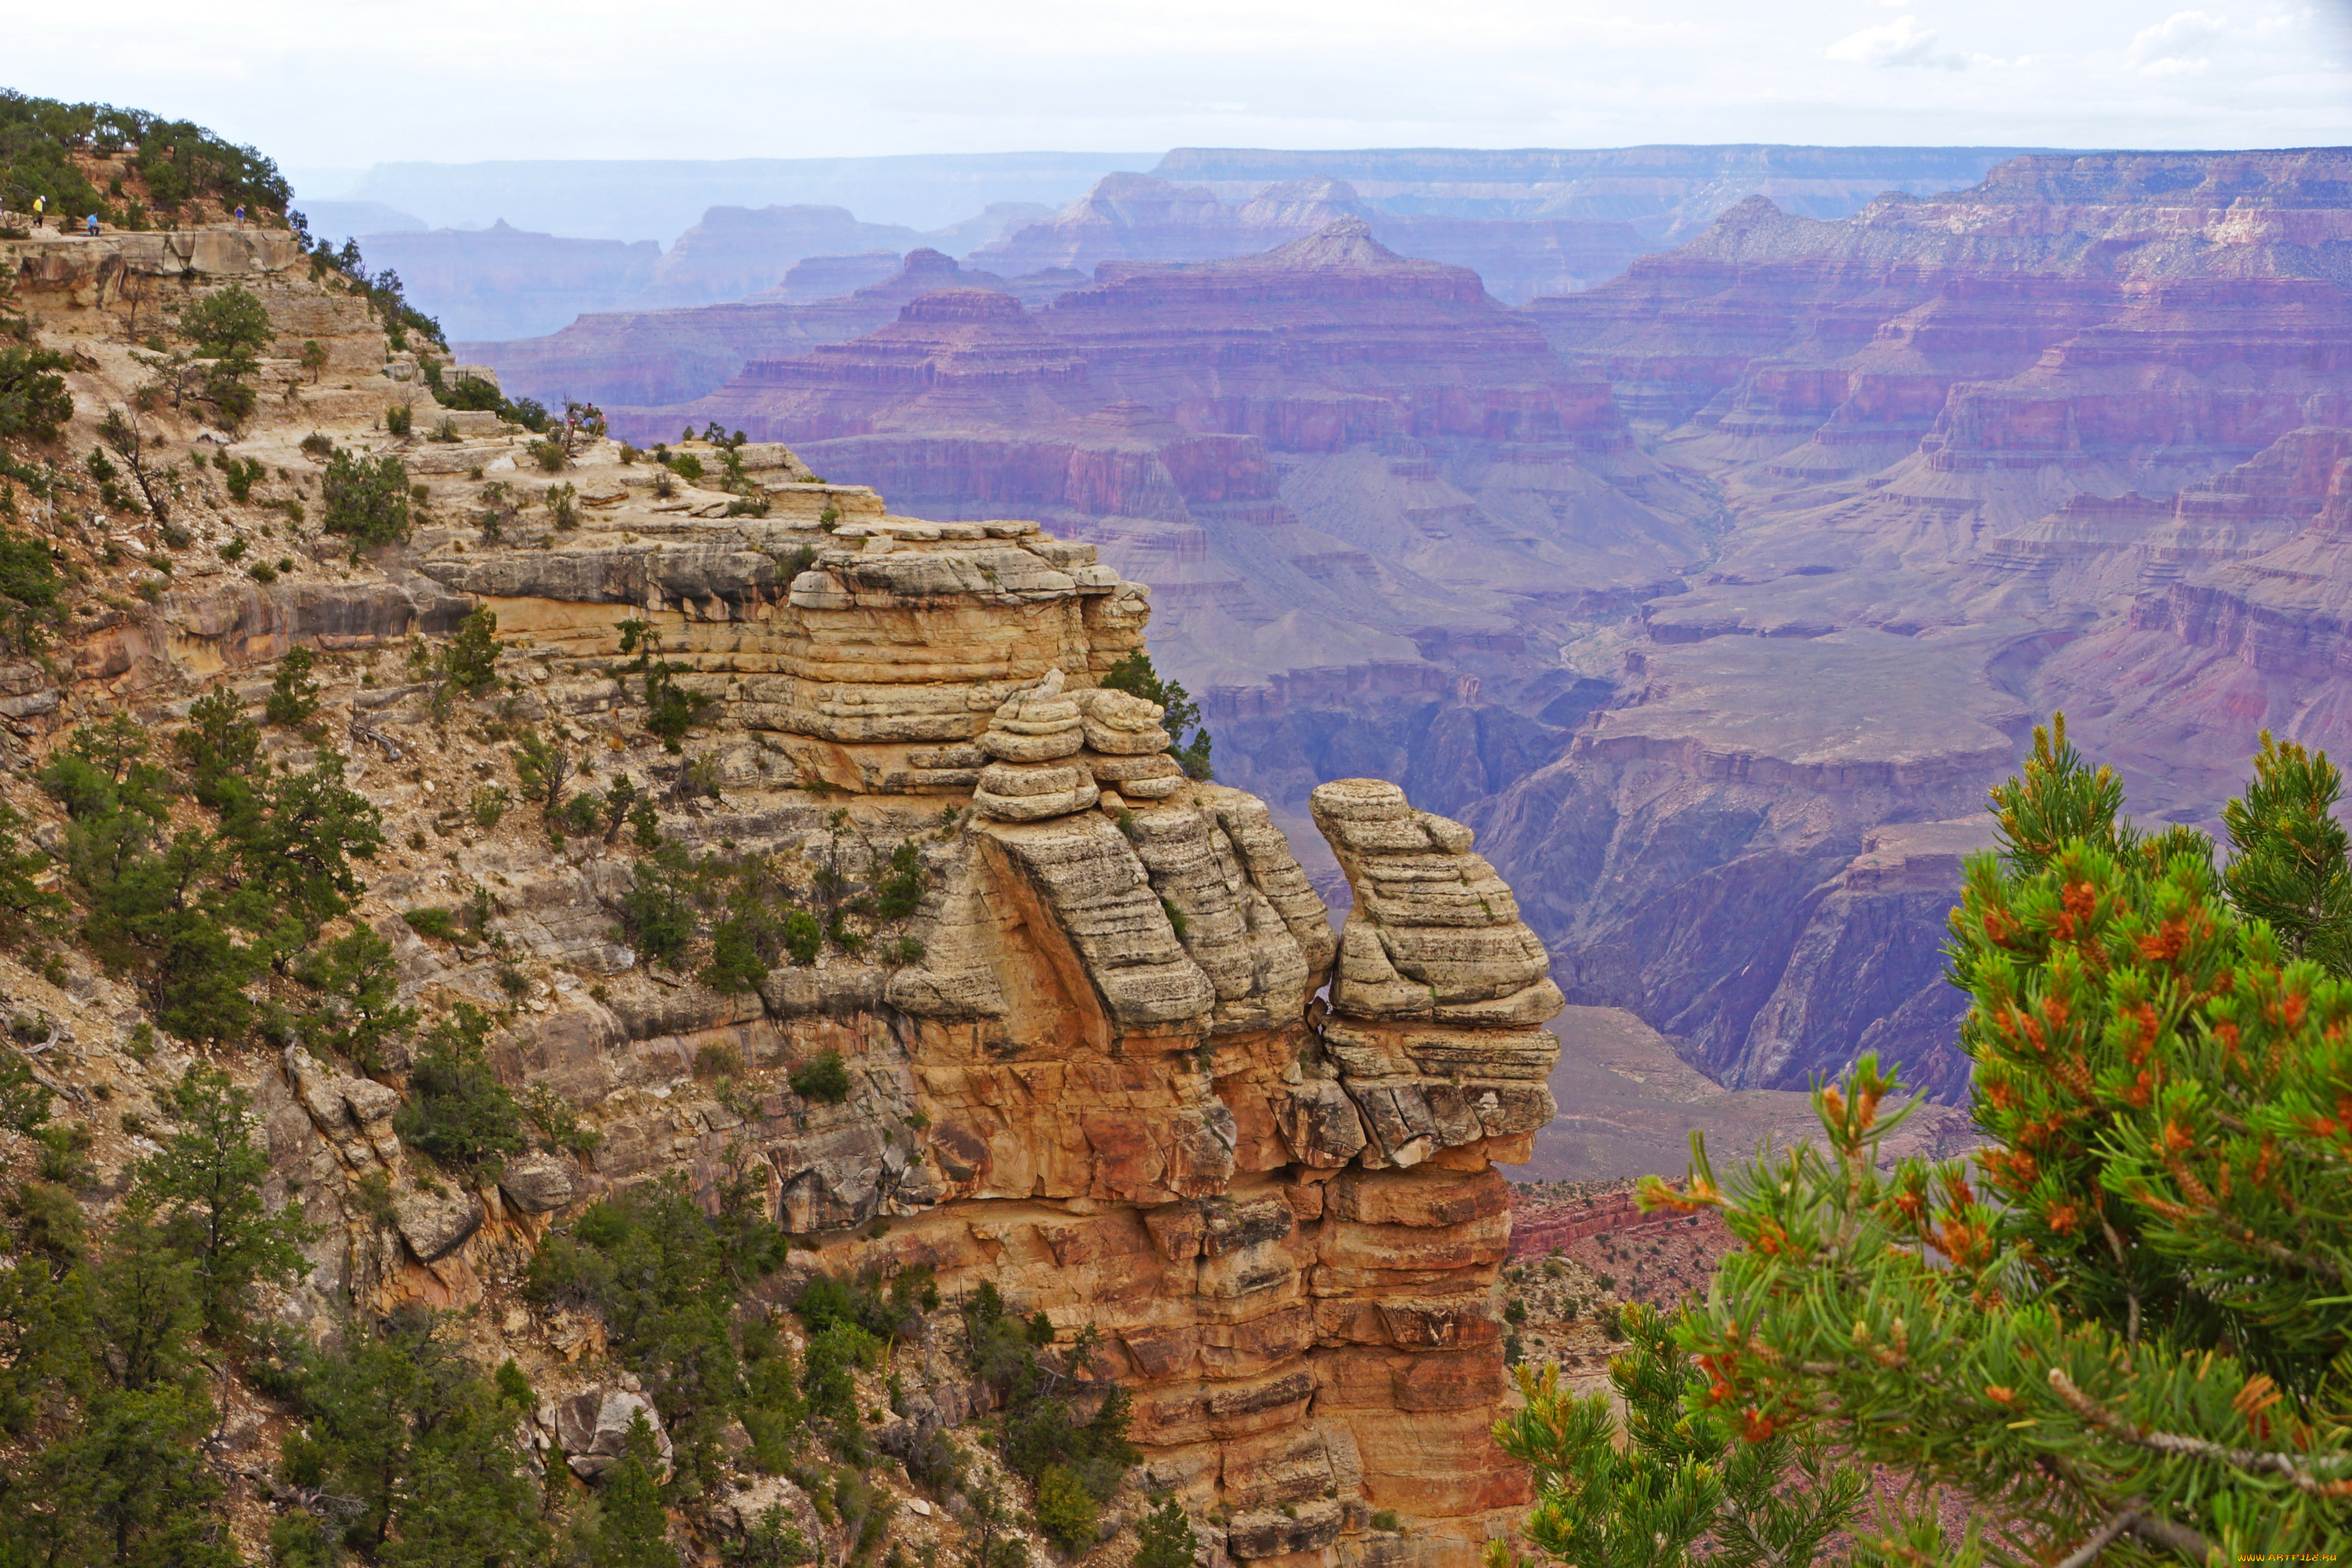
[337,220]
[656,357]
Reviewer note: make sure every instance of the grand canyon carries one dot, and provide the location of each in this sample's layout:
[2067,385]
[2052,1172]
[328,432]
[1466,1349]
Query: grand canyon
[1586,572]
[622,946]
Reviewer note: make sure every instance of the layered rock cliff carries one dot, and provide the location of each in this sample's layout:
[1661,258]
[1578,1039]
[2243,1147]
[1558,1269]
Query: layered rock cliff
[1355,481]
[647,357]
[1085,1061]
[1667,194]
[2060,440]
[1138,218]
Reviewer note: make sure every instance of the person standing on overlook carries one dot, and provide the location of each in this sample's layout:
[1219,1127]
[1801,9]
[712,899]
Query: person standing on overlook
[93,226]
[39,204]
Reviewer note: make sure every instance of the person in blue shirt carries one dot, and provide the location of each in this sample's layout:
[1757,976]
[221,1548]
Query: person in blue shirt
[93,226]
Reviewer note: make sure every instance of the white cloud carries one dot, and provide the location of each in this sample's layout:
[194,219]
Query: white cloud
[1899,42]
[2180,45]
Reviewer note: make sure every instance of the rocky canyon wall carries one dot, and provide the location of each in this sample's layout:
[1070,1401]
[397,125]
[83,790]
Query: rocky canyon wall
[1725,587]
[1112,1061]
[2041,443]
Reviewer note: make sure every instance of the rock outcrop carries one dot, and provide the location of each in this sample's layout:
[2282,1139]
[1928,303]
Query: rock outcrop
[1076,1053]
[1283,1223]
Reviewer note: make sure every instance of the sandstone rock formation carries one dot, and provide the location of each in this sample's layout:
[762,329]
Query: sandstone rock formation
[1284,1225]
[1084,1062]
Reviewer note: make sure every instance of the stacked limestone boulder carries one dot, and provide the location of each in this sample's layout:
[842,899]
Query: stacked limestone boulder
[1127,747]
[1438,1002]
[1034,738]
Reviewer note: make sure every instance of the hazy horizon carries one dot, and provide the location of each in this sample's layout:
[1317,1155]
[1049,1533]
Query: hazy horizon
[345,91]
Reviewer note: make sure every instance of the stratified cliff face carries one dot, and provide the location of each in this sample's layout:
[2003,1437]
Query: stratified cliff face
[739,251]
[1364,492]
[650,357]
[2238,620]
[1090,1066]
[1136,217]
[1666,194]
[2070,440]
[1283,1222]
[2058,327]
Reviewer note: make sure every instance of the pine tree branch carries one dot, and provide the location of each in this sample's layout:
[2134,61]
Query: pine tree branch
[2173,1537]
[2180,1447]
[2083,1556]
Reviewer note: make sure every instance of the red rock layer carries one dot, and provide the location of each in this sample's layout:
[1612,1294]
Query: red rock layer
[651,357]
[2117,308]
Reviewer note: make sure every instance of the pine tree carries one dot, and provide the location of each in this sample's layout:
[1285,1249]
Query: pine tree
[2124,1330]
[632,1531]
[359,1014]
[1164,1538]
[1188,738]
[2288,862]
[458,1112]
[1682,1488]
[205,1189]
[423,1445]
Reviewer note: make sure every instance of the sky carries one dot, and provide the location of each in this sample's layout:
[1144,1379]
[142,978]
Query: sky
[324,89]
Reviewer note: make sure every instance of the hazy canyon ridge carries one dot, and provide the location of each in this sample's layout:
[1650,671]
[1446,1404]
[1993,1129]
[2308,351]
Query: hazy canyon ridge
[506,250]
[1714,594]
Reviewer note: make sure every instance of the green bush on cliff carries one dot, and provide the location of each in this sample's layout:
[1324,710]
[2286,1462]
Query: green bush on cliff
[105,1382]
[1164,1538]
[31,597]
[420,1448]
[663,1276]
[204,1191]
[194,917]
[2121,1325]
[458,1110]
[823,1079]
[230,328]
[358,1015]
[34,402]
[367,499]
[181,162]
[1067,1514]
[1042,1429]
[1188,741]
